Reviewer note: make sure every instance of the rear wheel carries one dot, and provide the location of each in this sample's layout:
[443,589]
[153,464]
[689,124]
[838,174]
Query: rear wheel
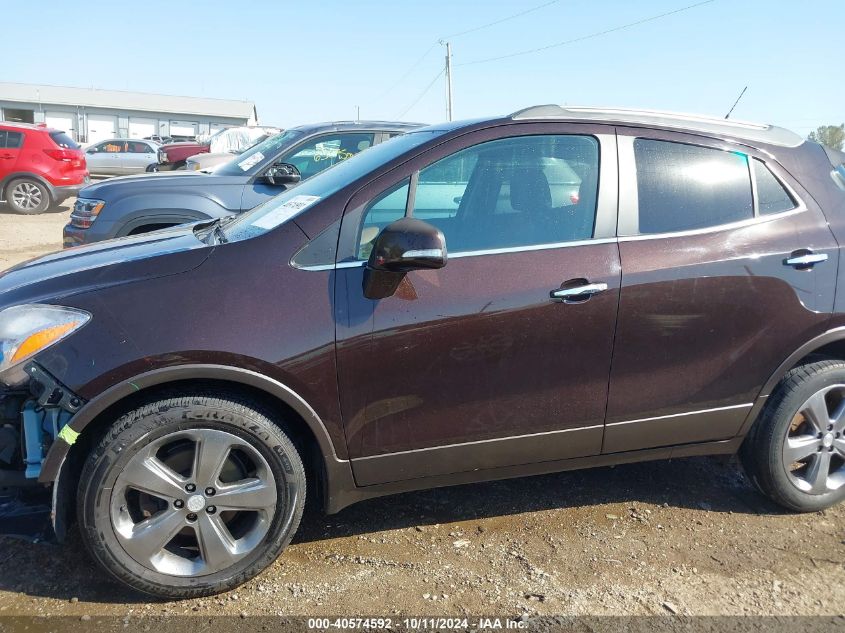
[191,496]
[796,452]
[27,196]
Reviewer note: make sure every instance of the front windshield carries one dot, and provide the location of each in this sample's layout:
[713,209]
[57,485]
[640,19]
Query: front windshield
[251,161]
[295,200]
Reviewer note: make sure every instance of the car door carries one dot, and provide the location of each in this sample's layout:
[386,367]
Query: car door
[105,157]
[727,266]
[137,157]
[311,156]
[502,357]
[10,149]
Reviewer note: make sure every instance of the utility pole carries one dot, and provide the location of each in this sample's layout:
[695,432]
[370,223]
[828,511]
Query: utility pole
[448,81]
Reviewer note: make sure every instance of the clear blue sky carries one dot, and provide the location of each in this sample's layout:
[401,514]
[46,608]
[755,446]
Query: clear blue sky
[311,61]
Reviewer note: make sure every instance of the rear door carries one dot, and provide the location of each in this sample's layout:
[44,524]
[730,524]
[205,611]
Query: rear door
[502,357]
[727,266]
[137,157]
[11,142]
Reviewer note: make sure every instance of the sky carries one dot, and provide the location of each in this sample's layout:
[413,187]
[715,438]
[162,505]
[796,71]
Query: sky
[303,62]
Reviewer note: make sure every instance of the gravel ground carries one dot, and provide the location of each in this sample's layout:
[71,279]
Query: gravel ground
[689,536]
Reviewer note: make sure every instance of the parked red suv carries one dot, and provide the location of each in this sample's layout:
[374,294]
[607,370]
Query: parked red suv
[39,167]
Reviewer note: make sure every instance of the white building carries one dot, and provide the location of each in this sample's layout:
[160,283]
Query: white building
[90,115]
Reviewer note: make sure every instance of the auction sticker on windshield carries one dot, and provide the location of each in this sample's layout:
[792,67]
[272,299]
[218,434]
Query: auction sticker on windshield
[285,212]
[251,161]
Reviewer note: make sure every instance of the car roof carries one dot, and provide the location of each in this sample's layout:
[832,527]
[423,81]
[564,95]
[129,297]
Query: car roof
[341,126]
[140,140]
[39,127]
[743,130]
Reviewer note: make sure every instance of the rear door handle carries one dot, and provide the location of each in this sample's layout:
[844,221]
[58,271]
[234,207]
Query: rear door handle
[807,259]
[577,293]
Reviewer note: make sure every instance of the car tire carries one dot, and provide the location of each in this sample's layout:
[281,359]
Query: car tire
[175,500]
[27,196]
[795,453]
[152,168]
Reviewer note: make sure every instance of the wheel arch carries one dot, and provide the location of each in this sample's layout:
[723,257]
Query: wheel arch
[333,474]
[4,183]
[829,344]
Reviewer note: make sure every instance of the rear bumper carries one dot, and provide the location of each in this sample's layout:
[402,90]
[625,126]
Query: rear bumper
[68,191]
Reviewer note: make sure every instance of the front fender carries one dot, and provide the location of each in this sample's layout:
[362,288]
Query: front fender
[60,448]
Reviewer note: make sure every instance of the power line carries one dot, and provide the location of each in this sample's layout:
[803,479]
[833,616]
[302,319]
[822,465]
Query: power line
[408,72]
[505,19]
[422,94]
[472,30]
[587,37]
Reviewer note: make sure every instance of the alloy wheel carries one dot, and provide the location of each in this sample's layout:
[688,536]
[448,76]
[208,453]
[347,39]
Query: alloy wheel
[193,502]
[27,196]
[814,446]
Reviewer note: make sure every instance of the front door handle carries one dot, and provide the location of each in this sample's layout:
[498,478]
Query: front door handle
[805,259]
[577,293]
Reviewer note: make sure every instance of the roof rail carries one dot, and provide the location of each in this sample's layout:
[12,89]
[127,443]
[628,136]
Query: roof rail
[694,122]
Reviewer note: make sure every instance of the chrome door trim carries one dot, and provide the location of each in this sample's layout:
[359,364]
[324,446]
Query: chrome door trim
[686,413]
[481,442]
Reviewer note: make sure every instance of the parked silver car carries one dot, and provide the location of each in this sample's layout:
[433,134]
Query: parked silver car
[120,156]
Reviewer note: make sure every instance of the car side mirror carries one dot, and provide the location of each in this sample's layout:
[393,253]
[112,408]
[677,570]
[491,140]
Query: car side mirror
[282,174]
[91,150]
[402,246]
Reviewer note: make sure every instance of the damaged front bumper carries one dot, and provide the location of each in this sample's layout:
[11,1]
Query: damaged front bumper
[33,416]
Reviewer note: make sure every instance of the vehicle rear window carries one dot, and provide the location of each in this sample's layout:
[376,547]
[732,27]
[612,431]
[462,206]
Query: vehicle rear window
[772,196]
[63,140]
[686,187]
[10,140]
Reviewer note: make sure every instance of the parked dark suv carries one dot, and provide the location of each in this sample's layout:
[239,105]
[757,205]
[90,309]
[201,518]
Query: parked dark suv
[620,286]
[144,203]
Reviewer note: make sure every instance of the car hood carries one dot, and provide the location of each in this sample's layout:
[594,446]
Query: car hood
[149,183]
[183,144]
[113,262]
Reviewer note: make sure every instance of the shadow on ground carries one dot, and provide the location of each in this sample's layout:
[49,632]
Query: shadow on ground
[65,571]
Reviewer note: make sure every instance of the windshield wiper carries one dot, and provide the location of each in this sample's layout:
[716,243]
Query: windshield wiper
[219,233]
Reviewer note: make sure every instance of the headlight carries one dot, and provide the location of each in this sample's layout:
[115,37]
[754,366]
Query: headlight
[26,330]
[85,211]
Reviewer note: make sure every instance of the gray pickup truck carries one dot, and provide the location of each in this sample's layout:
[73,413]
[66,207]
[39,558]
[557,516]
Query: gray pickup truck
[148,202]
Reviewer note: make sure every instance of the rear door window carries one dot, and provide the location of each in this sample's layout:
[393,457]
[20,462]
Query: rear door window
[10,140]
[772,196]
[686,187]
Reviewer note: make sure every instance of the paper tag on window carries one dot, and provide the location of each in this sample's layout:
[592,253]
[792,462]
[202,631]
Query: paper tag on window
[285,212]
[251,161]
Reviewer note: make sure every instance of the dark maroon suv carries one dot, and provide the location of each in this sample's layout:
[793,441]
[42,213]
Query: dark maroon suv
[620,286]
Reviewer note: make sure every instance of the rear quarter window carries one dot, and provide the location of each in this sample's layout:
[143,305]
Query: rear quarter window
[686,187]
[772,196]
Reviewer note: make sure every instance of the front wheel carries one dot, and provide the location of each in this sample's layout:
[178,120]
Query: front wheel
[191,496]
[795,453]
[152,168]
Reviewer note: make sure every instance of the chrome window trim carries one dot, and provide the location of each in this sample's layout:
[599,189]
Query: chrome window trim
[533,247]
[747,405]
[714,229]
[494,251]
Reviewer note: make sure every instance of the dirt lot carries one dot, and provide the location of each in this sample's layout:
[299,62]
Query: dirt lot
[688,536]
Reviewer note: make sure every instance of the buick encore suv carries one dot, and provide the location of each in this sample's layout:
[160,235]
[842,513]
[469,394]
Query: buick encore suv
[619,286]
